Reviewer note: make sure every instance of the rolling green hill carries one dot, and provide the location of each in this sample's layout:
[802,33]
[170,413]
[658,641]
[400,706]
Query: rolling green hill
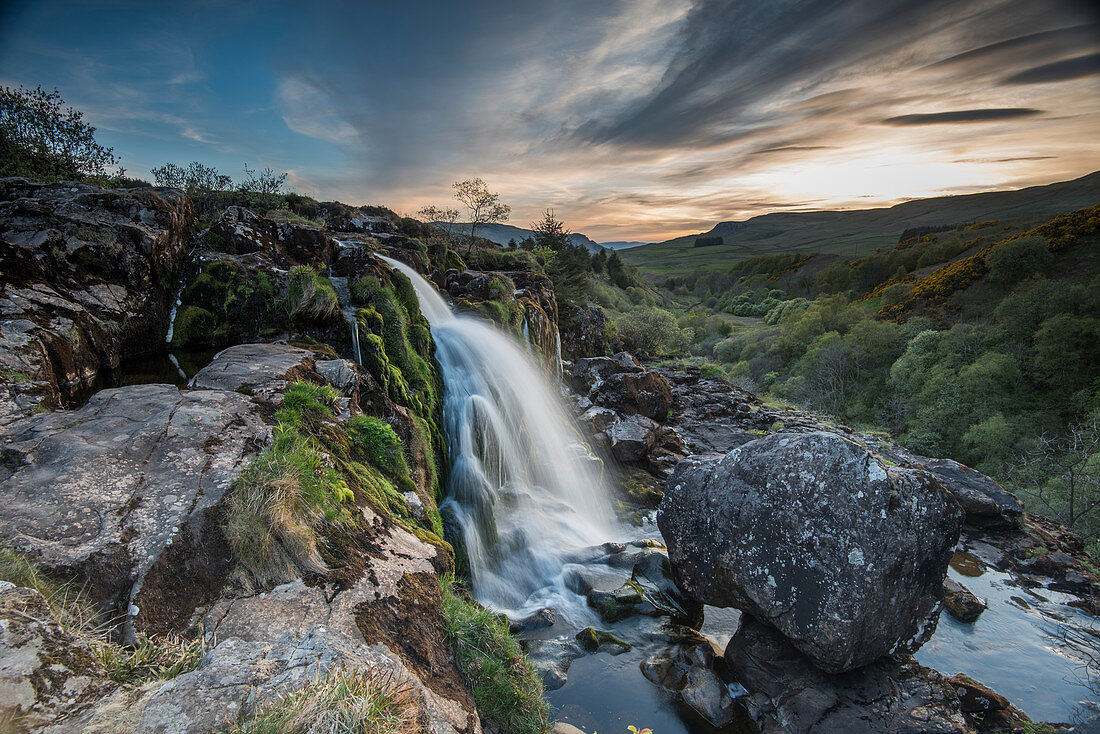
[856,232]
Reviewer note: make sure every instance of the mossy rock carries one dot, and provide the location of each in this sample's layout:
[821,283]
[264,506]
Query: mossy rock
[193,327]
[594,640]
[615,605]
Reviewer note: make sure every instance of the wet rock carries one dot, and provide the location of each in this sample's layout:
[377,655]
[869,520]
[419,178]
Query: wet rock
[262,370]
[653,577]
[975,698]
[588,372]
[813,534]
[789,693]
[615,605]
[1054,564]
[962,604]
[560,727]
[986,503]
[594,640]
[642,393]
[583,330]
[552,658]
[544,617]
[597,419]
[689,669]
[631,438]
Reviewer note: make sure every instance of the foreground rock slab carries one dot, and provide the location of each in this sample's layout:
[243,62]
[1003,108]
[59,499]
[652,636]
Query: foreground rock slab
[816,536]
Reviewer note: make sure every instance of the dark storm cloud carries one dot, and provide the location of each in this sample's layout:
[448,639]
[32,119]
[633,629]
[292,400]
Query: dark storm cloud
[1041,44]
[963,116]
[1058,71]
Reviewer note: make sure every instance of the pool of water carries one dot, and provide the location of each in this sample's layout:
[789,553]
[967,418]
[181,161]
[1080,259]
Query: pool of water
[1029,646]
[169,368]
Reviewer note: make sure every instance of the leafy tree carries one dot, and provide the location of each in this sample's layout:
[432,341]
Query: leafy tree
[41,138]
[266,181]
[195,180]
[1018,259]
[484,206]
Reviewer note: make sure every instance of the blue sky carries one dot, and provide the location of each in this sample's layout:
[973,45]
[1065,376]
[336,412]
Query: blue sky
[638,119]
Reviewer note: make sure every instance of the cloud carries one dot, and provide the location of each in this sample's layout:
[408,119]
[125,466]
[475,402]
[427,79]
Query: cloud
[309,111]
[963,116]
[1058,71]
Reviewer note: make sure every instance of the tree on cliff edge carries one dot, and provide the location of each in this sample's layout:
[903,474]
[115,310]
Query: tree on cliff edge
[42,139]
[484,206]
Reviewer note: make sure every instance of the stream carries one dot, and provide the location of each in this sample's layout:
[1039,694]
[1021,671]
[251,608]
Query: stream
[531,506]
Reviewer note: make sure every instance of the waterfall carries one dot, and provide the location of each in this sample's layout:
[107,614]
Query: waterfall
[523,490]
[350,312]
[172,314]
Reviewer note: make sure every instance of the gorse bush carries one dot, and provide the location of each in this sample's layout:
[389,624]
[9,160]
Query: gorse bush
[507,690]
[363,701]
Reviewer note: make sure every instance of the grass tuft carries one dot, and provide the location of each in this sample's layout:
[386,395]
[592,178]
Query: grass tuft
[154,658]
[366,701]
[310,297]
[508,692]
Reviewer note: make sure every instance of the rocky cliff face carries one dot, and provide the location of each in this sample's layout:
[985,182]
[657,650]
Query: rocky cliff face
[130,498]
[87,280]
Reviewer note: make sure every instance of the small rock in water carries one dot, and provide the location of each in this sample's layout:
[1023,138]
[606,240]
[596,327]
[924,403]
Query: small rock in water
[962,604]
[615,605]
[594,640]
[544,617]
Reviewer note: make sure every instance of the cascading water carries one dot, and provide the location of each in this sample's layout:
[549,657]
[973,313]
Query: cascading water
[524,491]
[176,302]
[350,312]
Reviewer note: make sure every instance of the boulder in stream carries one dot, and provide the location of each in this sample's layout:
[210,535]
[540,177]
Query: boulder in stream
[816,536]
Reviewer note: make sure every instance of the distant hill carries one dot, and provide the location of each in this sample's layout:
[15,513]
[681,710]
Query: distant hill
[501,233]
[622,245]
[859,231]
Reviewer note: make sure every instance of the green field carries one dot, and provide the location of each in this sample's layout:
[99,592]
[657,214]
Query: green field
[856,232]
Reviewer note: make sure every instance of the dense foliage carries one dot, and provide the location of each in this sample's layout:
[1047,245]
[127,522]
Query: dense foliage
[41,138]
[977,342]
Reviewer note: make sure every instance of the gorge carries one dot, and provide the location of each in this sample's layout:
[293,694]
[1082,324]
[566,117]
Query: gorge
[376,414]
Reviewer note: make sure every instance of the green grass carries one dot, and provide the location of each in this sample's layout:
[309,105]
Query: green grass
[364,701]
[286,494]
[508,692]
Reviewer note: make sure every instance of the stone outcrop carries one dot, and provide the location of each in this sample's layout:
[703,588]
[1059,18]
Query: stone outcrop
[816,536]
[788,693]
[583,331]
[86,280]
[239,231]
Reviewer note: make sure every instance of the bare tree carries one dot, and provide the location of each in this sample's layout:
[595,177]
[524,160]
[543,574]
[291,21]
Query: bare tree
[1062,474]
[484,206]
[266,181]
[444,217]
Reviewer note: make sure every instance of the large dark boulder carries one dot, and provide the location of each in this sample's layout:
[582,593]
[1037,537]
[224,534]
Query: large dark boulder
[583,331]
[813,534]
[636,393]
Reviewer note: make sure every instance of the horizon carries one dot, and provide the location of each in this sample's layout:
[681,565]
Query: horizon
[633,121]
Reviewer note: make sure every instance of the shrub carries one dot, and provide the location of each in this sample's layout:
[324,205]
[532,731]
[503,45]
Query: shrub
[310,297]
[365,701]
[506,689]
[649,331]
[1017,259]
[40,140]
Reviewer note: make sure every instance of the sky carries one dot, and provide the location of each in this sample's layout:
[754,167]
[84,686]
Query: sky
[634,119]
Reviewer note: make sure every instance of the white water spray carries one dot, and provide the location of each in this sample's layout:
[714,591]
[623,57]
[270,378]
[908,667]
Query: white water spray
[523,489]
